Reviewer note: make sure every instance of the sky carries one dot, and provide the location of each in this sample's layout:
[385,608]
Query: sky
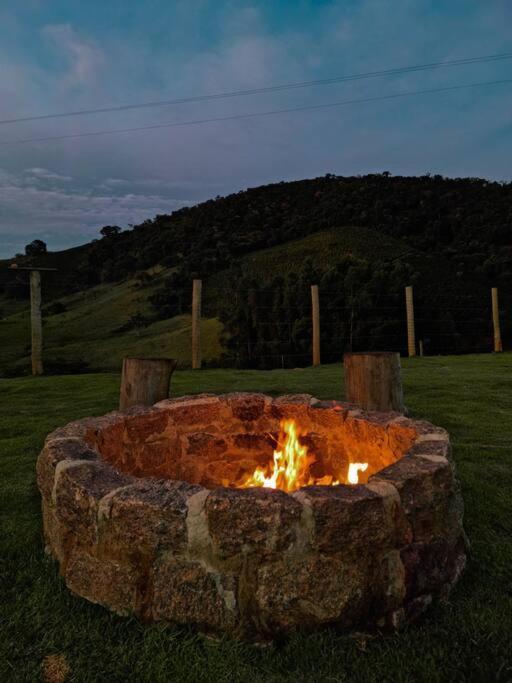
[66,55]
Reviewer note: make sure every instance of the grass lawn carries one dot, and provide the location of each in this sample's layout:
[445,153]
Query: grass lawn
[470,638]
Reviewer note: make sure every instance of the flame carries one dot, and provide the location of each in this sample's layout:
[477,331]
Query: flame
[353,471]
[291,464]
[290,468]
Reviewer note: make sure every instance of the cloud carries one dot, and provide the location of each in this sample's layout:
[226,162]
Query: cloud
[84,57]
[46,174]
[30,211]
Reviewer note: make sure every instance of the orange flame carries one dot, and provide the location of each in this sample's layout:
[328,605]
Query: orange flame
[290,468]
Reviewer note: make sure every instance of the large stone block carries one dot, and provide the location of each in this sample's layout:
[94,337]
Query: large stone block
[205,444]
[79,487]
[204,411]
[251,520]
[139,521]
[146,425]
[429,495]
[105,582]
[54,451]
[304,592]
[248,407]
[432,568]
[354,520]
[186,593]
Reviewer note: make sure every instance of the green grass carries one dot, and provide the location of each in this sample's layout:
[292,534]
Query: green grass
[468,639]
[68,341]
[97,345]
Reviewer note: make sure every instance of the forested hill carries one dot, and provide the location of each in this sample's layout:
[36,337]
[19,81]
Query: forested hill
[468,221]
[452,235]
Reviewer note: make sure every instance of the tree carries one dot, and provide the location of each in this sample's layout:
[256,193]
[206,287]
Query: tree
[110,230]
[35,248]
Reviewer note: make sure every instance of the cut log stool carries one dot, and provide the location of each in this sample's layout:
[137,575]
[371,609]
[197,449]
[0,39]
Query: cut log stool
[373,380]
[145,381]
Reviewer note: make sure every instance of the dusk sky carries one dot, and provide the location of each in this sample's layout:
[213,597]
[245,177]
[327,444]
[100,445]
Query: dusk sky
[64,55]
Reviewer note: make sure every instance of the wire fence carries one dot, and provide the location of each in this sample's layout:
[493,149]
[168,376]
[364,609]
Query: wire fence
[269,330]
[275,325]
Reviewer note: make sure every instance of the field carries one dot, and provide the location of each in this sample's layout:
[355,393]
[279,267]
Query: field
[71,346]
[467,639]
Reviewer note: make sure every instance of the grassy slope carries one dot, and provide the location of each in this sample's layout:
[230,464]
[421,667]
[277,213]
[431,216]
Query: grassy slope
[85,332]
[467,639]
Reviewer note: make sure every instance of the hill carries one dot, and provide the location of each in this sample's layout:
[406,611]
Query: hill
[361,238]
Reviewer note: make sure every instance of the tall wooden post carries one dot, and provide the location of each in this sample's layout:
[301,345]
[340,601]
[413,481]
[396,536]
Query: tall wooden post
[196,324]
[496,320]
[36,322]
[315,314]
[411,335]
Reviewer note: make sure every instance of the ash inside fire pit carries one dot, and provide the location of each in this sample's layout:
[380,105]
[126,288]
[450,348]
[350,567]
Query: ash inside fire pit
[254,516]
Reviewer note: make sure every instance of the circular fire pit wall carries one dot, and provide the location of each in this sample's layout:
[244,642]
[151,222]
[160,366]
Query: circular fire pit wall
[160,513]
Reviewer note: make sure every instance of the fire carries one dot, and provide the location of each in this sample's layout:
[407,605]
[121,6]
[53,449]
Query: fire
[291,462]
[353,471]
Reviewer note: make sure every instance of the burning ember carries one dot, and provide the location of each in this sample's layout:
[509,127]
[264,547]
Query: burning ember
[290,469]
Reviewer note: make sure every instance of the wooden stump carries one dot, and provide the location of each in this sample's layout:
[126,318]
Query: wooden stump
[145,381]
[373,380]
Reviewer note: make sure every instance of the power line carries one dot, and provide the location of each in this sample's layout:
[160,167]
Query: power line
[236,117]
[267,89]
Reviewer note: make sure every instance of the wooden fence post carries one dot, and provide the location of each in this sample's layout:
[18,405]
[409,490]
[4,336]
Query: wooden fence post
[36,323]
[145,381]
[373,380]
[315,314]
[496,320]
[196,324]
[411,336]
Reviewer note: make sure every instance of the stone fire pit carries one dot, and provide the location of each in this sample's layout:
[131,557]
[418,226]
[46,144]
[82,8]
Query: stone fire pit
[148,513]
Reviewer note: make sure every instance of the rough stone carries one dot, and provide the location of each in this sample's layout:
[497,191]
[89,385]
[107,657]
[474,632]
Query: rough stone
[429,495]
[105,582]
[205,444]
[79,487]
[251,520]
[247,407]
[401,435]
[143,426]
[141,520]
[306,592]
[350,519]
[185,592]
[431,447]
[432,567]
[194,411]
[54,451]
